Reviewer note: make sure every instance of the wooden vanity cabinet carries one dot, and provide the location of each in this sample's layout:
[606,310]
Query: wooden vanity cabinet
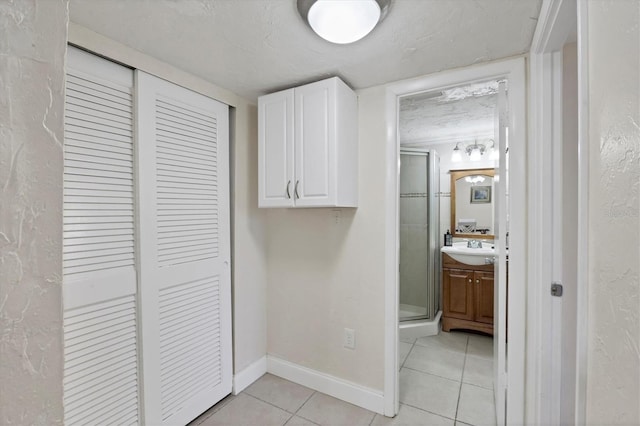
[467,296]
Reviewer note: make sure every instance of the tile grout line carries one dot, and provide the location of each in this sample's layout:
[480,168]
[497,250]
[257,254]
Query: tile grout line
[275,406]
[427,411]
[462,378]
[436,375]
[413,345]
[373,418]
[227,398]
[303,404]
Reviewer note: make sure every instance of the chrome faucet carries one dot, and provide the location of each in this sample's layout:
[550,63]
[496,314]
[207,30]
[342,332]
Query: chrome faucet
[474,244]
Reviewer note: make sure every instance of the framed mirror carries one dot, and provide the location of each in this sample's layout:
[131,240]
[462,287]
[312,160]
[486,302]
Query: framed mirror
[472,203]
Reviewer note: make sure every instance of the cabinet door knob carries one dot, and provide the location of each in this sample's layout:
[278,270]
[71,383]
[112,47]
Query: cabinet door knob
[295,189]
[470,280]
[288,194]
[477,281]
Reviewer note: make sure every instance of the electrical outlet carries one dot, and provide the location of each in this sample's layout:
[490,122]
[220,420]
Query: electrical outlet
[349,338]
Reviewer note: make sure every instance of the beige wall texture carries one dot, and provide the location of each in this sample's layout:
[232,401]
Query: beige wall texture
[613,370]
[325,274]
[249,244]
[33,37]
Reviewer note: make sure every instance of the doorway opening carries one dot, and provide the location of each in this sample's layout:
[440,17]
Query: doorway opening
[427,90]
[450,141]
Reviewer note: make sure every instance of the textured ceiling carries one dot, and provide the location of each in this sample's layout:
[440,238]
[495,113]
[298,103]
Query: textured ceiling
[253,47]
[460,114]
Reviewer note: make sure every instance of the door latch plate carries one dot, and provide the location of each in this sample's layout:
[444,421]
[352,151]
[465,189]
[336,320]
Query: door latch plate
[556,289]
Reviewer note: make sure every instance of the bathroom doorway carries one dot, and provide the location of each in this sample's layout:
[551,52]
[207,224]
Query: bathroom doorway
[448,151]
[509,404]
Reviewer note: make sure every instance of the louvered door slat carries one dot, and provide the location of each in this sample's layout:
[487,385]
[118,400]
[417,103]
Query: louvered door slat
[89,111]
[185,255]
[90,151]
[103,118]
[75,102]
[82,140]
[100,303]
[185,115]
[191,156]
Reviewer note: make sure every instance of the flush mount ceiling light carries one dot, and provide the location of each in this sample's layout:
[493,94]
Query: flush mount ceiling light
[343,21]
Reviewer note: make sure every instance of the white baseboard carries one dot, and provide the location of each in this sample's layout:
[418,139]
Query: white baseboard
[253,372]
[353,393]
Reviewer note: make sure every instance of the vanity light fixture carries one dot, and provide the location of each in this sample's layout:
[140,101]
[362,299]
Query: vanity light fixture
[456,155]
[492,152]
[343,21]
[474,179]
[475,152]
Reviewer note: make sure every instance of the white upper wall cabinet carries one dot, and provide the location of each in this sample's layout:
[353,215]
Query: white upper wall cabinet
[308,146]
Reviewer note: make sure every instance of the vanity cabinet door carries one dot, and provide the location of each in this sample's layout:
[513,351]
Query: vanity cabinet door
[458,294]
[483,283]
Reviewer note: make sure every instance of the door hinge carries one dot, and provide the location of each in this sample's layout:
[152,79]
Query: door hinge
[556,289]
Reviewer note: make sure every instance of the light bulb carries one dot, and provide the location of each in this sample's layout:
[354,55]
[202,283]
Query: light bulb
[456,155]
[475,154]
[495,154]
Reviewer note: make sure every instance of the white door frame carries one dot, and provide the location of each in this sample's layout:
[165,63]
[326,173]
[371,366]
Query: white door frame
[557,20]
[514,71]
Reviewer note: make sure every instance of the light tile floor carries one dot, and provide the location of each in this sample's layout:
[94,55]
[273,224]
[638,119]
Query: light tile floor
[444,380]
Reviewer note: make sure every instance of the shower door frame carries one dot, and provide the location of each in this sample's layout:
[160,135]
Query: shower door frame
[514,71]
[433,226]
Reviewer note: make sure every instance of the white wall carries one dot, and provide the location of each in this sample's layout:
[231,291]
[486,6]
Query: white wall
[249,244]
[32,51]
[613,369]
[326,275]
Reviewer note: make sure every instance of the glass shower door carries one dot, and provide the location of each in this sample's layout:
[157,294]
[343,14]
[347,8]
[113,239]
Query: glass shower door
[415,259]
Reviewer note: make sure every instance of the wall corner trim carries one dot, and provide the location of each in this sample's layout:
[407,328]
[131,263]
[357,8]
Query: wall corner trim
[350,392]
[246,377]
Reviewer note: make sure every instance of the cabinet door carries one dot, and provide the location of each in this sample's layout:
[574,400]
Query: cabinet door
[483,282]
[458,293]
[275,150]
[315,138]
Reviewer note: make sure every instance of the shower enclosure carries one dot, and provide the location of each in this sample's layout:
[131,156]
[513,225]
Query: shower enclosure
[419,235]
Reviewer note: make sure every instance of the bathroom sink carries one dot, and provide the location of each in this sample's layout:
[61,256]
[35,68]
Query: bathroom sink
[471,256]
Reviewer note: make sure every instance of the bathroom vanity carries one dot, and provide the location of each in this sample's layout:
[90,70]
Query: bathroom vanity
[467,295]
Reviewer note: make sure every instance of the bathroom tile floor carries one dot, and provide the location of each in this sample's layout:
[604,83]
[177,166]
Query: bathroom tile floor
[444,380]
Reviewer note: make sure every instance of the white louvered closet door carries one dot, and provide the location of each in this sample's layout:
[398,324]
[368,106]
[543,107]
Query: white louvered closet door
[184,250]
[101,378]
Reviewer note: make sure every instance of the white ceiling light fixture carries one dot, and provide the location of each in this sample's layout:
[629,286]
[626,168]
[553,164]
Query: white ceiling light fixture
[343,21]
